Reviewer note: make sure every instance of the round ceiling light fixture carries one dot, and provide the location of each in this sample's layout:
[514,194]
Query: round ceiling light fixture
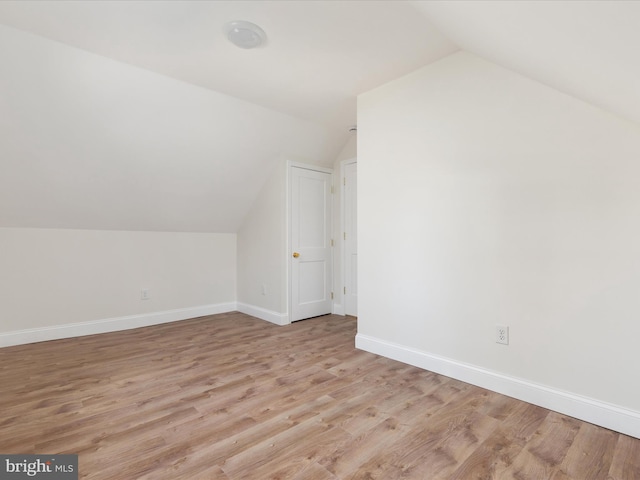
[245,34]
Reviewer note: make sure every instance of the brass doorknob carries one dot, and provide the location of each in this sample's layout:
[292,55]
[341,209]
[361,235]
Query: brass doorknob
[296,254]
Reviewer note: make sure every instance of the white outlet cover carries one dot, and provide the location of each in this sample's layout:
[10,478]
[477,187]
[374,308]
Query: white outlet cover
[502,334]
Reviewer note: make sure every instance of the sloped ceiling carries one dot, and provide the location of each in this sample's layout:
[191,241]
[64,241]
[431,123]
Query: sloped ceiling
[182,158]
[320,54]
[140,115]
[587,49]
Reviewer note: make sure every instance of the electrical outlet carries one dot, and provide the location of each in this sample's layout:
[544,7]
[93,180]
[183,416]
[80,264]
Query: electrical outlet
[264,289]
[502,334]
[144,294]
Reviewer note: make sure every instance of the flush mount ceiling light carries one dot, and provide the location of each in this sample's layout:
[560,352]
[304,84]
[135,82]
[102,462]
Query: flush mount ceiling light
[245,34]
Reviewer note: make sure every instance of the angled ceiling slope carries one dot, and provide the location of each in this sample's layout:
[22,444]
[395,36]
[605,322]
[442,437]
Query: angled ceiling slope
[91,143]
[141,116]
[587,49]
[319,55]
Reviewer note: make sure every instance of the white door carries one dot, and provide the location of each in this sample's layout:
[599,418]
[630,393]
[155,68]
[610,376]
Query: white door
[310,243]
[350,240]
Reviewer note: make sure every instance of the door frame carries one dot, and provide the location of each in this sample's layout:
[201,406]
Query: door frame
[343,226]
[291,164]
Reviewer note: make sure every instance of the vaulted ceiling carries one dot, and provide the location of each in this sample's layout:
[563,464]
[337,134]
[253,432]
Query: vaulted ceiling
[140,115]
[320,54]
[587,49]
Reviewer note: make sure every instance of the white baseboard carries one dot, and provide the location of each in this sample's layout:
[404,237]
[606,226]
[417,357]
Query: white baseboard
[590,410]
[264,314]
[338,309]
[42,334]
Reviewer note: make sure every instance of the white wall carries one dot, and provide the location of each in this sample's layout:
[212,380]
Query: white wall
[262,240]
[263,250]
[52,278]
[486,198]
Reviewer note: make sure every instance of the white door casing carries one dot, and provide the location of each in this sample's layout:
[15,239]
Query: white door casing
[350,238]
[310,242]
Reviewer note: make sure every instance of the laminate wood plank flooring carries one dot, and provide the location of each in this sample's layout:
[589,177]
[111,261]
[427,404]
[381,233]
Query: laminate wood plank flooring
[230,397]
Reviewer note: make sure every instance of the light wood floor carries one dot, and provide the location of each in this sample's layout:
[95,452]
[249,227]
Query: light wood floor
[232,397]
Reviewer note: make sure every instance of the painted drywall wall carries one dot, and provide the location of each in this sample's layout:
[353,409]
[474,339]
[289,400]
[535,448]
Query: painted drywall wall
[489,199]
[53,277]
[87,142]
[263,254]
[262,282]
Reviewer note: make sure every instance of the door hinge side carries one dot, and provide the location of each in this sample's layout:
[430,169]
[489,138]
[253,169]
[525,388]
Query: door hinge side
[344,290]
[332,189]
[331,295]
[332,242]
